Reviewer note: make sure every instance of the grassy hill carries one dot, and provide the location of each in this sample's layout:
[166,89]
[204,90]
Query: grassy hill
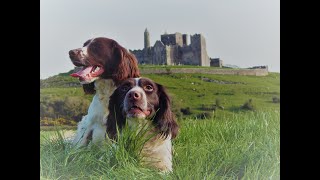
[235,143]
[198,92]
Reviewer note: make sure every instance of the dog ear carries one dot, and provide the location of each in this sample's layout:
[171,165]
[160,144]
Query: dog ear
[115,117]
[165,119]
[89,88]
[127,66]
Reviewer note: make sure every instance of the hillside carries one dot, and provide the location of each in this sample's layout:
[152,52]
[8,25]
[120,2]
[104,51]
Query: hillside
[232,143]
[197,92]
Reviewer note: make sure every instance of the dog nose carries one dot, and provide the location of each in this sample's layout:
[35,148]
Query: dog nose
[134,95]
[72,52]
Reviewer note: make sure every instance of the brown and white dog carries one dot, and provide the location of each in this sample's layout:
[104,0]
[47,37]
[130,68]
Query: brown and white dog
[140,100]
[104,65]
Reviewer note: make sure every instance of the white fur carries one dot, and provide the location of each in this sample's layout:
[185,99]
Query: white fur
[156,152]
[144,104]
[84,51]
[93,125]
[137,81]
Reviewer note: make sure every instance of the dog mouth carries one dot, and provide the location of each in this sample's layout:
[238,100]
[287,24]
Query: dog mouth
[137,111]
[87,74]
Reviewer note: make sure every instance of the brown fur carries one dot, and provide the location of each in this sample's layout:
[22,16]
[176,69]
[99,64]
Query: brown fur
[156,151]
[118,63]
[164,119]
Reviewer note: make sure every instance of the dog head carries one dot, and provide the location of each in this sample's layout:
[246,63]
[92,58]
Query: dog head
[103,58]
[143,99]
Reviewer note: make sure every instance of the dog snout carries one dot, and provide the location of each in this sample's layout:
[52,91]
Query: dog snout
[135,95]
[73,52]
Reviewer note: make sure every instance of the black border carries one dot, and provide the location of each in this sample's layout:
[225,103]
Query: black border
[20,88]
[299,130]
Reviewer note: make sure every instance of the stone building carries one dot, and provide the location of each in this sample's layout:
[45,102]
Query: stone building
[216,62]
[173,49]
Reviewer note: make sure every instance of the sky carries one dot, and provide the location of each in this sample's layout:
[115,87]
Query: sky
[240,32]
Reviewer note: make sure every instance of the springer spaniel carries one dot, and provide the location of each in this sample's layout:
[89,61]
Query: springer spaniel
[103,64]
[138,101]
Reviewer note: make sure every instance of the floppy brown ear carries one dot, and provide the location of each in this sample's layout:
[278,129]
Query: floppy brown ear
[115,117]
[127,66]
[165,119]
[89,88]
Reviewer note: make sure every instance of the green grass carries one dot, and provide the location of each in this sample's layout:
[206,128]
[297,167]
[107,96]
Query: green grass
[54,128]
[234,144]
[188,90]
[244,145]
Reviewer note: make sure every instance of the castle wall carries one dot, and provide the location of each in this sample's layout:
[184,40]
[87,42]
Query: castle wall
[172,39]
[243,72]
[196,48]
[184,39]
[198,45]
[147,55]
[170,55]
[139,54]
[159,53]
[143,56]
[216,62]
[174,49]
[188,56]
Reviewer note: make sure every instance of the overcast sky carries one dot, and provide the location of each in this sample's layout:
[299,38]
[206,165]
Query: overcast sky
[240,32]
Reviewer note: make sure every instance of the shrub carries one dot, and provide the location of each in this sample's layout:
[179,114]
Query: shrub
[46,122]
[63,107]
[204,115]
[275,99]
[73,123]
[186,111]
[207,107]
[57,122]
[61,121]
[248,105]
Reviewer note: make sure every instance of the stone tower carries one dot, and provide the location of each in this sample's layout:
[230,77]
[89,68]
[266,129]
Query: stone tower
[146,39]
[198,45]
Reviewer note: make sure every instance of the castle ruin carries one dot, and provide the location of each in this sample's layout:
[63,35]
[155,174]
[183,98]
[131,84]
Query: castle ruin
[173,49]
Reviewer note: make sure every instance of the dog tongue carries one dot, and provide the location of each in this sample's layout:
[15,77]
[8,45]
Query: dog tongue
[83,72]
[147,113]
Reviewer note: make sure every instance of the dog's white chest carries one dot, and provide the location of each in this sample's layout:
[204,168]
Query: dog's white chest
[104,89]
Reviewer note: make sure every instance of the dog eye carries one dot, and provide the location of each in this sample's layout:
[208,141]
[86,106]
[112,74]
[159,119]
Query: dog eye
[148,88]
[124,88]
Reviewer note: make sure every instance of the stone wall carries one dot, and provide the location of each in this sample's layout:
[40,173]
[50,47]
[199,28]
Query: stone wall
[188,56]
[185,39]
[252,72]
[169,55]
[159,53]
[198,45]
[216,62]
[172,39]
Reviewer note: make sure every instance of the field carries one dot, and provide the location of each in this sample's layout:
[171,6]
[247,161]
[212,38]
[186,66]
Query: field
[196,91]
[231,144]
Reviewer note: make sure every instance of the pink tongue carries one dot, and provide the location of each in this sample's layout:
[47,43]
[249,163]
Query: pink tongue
[83,72]
[137,110]
[147,113]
